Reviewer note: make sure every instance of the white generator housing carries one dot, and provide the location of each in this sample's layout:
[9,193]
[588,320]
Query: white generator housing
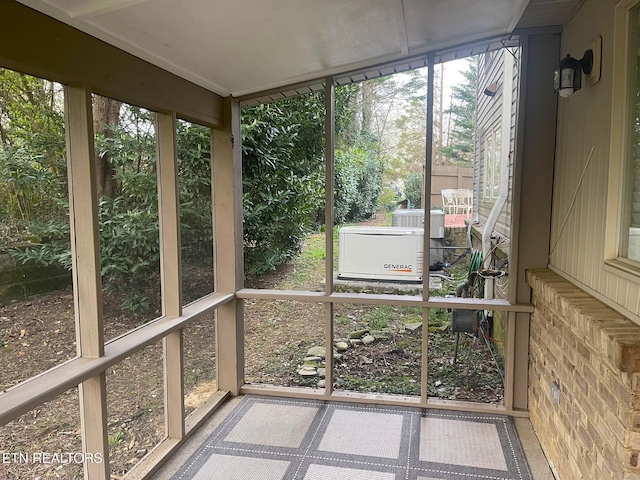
[381,253]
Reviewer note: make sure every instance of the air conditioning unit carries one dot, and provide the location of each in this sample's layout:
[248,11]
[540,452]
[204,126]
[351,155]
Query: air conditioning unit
[414,218]
[381,253]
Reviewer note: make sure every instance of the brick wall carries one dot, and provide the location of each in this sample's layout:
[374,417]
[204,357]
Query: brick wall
[593,354]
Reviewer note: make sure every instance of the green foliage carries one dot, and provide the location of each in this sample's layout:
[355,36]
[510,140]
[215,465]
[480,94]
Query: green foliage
[413,189]
[389,197]
[462,111]
[129,239]
[32,154]
[194,182]
[284,173]
[31,116]
[283,182]
[130,251]
[129,236]
[281,193]
[30,187]
[51,245]
[358,184]
[36,197]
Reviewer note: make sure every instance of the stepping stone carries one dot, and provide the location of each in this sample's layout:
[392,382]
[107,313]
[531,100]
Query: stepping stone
[413,326]
[379,334]
[342,346]
[312,359]
[307,371]
[317,352]
[358,333]
[368,339]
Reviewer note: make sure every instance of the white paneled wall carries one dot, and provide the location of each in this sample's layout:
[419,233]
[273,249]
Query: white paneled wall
[582,152]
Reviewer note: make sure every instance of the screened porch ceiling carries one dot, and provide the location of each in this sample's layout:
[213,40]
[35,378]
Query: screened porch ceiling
[250,49]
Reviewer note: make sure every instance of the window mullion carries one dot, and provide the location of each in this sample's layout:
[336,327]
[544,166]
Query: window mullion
[426,256]
[170,271]
[329,213]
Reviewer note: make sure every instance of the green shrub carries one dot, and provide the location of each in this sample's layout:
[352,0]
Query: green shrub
[358,184]
[281,196]
[413,189]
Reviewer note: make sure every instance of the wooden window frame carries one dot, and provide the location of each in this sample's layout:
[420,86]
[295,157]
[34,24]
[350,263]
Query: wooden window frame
[87,370]
[515,312]
[624,79]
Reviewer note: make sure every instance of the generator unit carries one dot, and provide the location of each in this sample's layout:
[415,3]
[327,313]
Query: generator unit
[381,253]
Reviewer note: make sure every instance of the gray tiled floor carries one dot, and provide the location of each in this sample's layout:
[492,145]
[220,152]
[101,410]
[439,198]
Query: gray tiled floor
[381,438]
[271,438]
[461,442]
[282,425]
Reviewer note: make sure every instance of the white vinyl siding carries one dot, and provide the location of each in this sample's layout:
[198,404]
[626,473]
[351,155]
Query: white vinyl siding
[585,226]
[492,163]
[488,121]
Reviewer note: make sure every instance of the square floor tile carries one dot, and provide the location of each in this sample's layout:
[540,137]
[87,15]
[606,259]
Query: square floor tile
[273,425]
[229,467]
[461,442]
[363,433]
[322,472]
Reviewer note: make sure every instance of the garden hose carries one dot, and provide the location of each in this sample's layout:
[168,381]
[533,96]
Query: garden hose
[476,282]
[477,290]
[476,261]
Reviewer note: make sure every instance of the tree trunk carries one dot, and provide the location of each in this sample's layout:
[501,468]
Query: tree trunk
[106,117]
[367,107]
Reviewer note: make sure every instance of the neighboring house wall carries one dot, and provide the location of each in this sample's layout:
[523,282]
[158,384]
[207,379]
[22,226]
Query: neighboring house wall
[491,147]
[494,153]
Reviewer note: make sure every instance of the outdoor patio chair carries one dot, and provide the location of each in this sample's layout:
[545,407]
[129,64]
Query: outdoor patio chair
[464,201]
[449,201]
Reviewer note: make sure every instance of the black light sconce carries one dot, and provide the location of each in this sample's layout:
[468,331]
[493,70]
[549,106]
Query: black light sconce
[491,89]
[567,77]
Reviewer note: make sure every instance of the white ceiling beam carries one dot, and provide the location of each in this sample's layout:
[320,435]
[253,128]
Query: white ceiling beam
[100,7]
[402,29]
[516,18]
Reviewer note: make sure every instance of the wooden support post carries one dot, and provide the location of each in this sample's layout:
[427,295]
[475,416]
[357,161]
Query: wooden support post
[533,190]
[329,130]
[509,361]
[169,208]
[426,203]
[228,255]
[87,284]
[170,270]
[172,346]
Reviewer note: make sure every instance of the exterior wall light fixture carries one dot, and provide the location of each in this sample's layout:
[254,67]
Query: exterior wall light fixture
[491,89]
[567,77]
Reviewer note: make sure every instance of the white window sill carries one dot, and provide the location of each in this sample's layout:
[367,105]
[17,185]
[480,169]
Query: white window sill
[623,268]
